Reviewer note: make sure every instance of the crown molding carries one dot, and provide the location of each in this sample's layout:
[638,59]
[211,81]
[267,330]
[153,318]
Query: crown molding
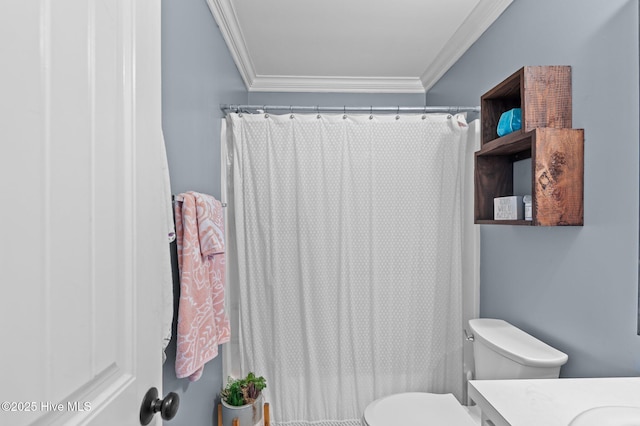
[483,15]
[227,20]
[478,21]
[336,84]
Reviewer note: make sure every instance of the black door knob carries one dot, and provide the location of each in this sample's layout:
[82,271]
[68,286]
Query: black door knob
[151,404]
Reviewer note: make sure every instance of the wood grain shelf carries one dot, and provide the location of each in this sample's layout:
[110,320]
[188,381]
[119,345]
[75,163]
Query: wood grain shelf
[542,92]
[556,151]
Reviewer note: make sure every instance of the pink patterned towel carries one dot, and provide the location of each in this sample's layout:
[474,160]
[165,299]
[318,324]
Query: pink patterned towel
[202,320]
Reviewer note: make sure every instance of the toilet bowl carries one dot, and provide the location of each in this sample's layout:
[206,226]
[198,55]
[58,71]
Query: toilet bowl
[416,408]
[501,351]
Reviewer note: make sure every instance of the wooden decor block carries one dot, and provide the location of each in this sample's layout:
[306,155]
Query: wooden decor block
[542,92]
[558,176]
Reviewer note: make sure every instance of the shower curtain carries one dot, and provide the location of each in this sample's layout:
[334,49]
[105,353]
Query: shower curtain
[346,258]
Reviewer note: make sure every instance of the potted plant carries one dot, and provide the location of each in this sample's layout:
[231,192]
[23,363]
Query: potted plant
[242,399]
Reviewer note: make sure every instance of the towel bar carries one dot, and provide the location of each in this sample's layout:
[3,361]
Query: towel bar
[179,199]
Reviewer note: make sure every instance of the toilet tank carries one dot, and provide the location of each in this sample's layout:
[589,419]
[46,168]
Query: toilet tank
[502,351]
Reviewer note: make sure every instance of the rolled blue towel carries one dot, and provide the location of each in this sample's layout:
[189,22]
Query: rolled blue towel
[510,121]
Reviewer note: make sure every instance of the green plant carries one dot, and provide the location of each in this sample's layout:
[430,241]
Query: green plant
[239,392]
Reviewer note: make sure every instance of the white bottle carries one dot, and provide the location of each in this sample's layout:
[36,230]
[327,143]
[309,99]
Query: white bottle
[527,207]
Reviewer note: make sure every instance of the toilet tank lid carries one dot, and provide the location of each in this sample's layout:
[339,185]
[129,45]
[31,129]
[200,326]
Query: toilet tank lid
[516,344]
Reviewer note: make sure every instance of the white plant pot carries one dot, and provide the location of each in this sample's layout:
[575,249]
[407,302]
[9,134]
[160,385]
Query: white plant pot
[249,414]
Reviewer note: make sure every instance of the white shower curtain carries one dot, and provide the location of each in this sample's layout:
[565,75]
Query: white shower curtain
[345,258]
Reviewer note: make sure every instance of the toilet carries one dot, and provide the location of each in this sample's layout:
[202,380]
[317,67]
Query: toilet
[501,351]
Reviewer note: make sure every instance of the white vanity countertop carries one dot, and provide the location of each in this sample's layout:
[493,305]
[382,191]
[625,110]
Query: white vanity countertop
[550,402]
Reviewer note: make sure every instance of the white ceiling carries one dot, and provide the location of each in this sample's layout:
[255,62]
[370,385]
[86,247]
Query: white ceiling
[377,46]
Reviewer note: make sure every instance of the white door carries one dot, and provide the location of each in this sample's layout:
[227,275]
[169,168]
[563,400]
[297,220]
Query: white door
[81,248]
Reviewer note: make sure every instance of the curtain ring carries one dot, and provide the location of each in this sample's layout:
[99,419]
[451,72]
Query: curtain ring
[266,114]
[370,112]
[398,113]
[291,111]
[344,112]
[424,113]
[318,111]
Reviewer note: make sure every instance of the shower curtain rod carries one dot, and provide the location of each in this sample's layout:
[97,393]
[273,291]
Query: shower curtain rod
[344,109]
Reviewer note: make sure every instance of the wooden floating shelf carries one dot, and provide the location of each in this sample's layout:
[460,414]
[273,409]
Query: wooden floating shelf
[556,150]
[543,93]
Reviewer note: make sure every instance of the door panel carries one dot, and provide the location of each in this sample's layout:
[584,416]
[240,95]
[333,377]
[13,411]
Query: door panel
[83,244]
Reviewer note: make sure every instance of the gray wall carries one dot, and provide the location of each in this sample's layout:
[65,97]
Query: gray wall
[575,288]
[198,74]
